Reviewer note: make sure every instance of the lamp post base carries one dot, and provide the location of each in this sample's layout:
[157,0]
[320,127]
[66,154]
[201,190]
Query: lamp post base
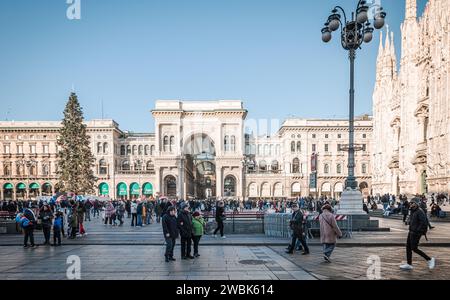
[351,203]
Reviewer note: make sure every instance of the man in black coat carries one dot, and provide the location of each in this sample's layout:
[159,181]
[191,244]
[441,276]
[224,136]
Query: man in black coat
[185,226]
[418,225]
[170,230]
[29,230]
[296,225]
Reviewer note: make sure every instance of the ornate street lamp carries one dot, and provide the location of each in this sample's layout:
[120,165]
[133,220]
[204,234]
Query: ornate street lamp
[354,32]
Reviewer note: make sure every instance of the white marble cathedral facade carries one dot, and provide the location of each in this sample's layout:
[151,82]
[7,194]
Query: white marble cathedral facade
[411,106]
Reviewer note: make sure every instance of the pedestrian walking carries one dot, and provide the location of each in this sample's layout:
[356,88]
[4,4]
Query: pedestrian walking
[329,231]
[297,226]
[170,230]
[198,229]
[220,218]
[185,227]
[418,227]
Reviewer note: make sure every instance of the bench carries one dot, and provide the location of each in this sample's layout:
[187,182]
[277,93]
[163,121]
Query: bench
[6,215]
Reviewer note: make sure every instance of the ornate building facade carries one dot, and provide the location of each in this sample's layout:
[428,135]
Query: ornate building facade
[199,149]
[411,150]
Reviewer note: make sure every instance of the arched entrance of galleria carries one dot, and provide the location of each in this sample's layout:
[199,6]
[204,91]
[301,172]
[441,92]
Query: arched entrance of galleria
[200,166]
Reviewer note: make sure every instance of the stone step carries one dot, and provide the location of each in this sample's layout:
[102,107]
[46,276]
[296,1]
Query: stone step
[379,214]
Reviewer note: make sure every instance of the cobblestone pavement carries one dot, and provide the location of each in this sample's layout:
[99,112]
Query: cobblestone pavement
[146,262]
[137,253]
[352,263]
[216,263]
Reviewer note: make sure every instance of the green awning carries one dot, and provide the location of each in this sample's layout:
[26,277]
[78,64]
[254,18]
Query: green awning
[34,186]
[21,186]
[8,186]
[134,189]
[104,189]
[122,189]
[147,189]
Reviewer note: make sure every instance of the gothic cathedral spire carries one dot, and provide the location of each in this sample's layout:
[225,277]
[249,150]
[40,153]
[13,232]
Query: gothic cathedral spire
[411,10]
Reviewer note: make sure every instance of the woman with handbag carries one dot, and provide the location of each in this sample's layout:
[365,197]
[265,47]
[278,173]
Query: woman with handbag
[329,231]
[220,218]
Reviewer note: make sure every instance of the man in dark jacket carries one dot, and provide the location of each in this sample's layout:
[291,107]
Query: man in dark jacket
[296,225]
[29,230]
[87,210]
[418,225]
[46,216]
[170,230]
[185,226]
[128,208]
[220,218]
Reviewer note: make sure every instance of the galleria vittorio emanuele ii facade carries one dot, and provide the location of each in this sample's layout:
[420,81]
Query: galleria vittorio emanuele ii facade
[412,105]
[200,149]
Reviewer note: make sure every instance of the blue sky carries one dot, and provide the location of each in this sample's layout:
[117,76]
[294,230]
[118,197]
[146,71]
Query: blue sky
[130,53]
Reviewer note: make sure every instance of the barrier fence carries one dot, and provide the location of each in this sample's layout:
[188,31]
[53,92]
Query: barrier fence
[277,225]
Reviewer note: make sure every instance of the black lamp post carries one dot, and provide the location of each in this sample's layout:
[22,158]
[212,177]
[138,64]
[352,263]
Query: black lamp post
[354,32]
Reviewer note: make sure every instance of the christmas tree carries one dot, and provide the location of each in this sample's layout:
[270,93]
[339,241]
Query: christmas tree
[75,158]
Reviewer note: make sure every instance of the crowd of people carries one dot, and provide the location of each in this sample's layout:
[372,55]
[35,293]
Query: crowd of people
[187,219]
[68,213]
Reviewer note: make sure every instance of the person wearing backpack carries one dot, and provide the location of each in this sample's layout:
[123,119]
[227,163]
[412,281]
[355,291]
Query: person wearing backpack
[26,221]
[329,231]
[418,227]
